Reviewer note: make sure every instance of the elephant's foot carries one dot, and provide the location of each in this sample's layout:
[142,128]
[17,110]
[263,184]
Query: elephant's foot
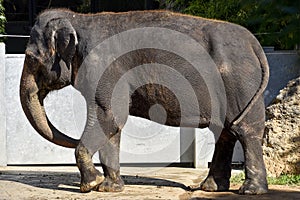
[253,187]
[90,176]
[212,184]
[110,185]
[91,181]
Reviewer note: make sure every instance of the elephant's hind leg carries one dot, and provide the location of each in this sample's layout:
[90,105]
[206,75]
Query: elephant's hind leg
[90,176]
[220,170]
[250,132]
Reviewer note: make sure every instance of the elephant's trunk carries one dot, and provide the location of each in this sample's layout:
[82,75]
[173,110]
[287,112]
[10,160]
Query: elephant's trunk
[32,105]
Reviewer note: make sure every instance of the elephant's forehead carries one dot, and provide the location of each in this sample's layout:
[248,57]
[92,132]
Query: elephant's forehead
[36,41]
[49,15]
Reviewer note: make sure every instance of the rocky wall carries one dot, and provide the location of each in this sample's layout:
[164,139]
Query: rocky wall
[282,134]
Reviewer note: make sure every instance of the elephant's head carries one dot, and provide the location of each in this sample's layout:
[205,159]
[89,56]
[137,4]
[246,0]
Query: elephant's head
[47,67]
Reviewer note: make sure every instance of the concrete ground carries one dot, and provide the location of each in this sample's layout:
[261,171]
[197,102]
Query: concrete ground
[141,183]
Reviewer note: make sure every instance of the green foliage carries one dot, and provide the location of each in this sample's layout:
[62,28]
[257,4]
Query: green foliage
[84,7]
[277,22]
[230,10]
[285,180]
[226,10]
[274,22]
[238,178]
[281,180]
[2,18]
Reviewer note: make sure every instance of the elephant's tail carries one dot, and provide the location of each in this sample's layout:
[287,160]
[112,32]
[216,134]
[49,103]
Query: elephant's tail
[264,82]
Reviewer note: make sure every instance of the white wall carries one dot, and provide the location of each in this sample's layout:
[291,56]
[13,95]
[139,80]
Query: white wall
[142,141]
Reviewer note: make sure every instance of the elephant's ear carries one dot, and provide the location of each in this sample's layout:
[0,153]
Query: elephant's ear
[61,38]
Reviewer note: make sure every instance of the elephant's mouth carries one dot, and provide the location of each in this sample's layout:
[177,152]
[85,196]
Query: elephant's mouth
[32,103]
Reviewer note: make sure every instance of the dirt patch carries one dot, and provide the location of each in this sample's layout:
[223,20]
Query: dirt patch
[141,183]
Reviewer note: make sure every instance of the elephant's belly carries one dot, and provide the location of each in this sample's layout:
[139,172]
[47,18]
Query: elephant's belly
[157,103]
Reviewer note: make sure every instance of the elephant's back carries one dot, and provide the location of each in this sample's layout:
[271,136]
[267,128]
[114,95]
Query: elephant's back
[228,46]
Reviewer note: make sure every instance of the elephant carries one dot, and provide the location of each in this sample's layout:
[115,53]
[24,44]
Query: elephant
[174,69]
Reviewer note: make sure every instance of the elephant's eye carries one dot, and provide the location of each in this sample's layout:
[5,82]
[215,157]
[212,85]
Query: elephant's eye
[31,59]
[58,57]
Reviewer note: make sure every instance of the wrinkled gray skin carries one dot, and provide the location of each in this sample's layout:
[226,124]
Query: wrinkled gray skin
[59,42]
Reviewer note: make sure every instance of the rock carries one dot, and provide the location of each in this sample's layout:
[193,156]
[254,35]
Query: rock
[281,144]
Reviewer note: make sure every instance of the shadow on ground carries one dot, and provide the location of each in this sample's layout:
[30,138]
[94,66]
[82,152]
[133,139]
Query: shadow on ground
[57,180]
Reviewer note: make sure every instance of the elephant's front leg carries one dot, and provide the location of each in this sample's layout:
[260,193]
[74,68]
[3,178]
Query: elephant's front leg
[91,141]
[109,157]
[112,114]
